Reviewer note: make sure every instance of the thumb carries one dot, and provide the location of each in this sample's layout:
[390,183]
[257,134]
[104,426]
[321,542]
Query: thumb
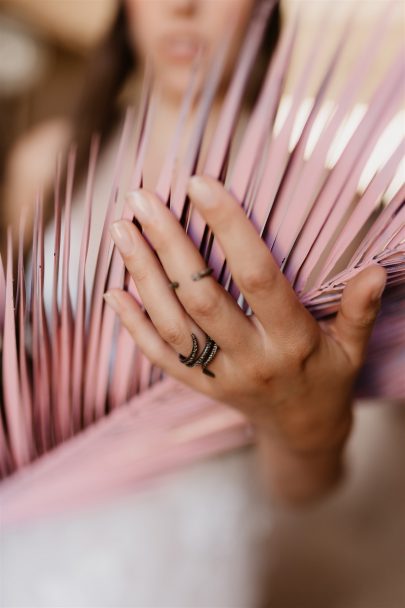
[359,308]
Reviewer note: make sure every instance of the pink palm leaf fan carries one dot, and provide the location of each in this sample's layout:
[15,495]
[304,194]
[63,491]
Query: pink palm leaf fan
[83,414]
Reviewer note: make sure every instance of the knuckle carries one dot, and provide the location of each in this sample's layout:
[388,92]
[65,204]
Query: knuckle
[205,304]
[259,373]
[263,376]
[305,347]
[138,269]
[259,278]
[361,320]
[365,320]
[294,354]
[172,333]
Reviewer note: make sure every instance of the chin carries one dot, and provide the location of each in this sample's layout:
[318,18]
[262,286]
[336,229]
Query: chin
[177,82]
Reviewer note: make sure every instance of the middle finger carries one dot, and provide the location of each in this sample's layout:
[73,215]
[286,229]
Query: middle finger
[213,309]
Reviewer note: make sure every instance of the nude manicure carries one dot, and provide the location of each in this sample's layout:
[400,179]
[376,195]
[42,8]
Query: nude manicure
[122,236]
[140,205]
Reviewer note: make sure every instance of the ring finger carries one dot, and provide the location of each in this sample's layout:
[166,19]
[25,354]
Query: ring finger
[165,311]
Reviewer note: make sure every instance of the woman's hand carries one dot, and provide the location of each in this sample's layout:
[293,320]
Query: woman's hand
[291,376]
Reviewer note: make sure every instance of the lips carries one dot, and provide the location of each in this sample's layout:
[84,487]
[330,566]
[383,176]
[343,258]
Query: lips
[181,48]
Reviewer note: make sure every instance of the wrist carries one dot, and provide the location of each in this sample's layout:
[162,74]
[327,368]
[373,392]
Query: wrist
[305,429]
[300,477]
[303,461]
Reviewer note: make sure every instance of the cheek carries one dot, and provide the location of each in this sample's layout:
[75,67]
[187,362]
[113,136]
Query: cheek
[220,15]
[143,24]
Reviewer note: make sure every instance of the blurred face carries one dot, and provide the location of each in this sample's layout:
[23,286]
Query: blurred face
[172,32]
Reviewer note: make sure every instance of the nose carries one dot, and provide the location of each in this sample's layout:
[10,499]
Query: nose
[183,7]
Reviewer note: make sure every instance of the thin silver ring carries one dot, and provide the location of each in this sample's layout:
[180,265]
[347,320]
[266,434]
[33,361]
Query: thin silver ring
[201,274]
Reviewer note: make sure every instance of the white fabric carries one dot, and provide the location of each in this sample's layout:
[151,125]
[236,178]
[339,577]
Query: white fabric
[205,538]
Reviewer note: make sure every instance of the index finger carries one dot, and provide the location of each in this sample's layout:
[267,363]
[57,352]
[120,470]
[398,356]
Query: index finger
[253,268]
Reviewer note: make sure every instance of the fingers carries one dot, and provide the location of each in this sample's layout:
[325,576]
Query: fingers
[358,311]
[211,307]
[150,342]
[140,328]
[163,307]
[254,270]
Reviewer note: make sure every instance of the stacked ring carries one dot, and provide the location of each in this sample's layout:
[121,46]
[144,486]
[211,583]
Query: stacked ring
[204,359]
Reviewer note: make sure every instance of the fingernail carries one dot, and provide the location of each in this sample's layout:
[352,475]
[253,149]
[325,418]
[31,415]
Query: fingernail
[200,191]
[122,236]
[140,205]
[111,300]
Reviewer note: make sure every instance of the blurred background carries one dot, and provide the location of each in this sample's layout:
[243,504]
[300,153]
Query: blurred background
[345,553]
[46,44]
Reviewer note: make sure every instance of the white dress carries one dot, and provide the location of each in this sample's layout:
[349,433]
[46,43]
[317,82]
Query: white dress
[204,537]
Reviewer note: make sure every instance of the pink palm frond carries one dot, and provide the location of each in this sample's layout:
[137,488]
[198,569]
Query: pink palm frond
[80,418]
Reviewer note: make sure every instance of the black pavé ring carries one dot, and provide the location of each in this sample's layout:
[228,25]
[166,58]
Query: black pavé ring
[204,359]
